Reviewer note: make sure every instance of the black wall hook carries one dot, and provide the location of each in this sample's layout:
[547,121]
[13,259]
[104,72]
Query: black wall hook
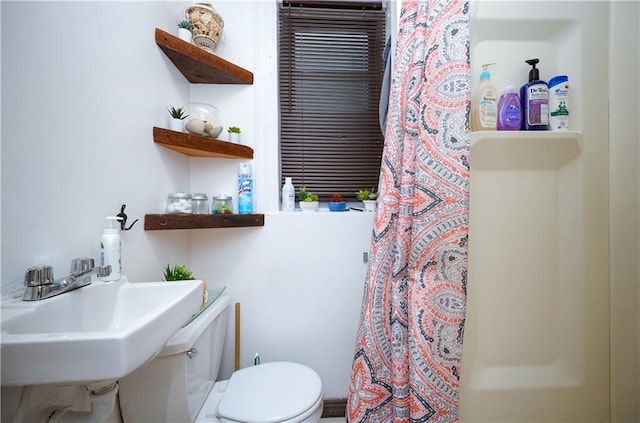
[123,221]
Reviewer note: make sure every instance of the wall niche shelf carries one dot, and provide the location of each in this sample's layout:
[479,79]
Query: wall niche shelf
[153,222]
[197,146]
[200,66]
[523,150]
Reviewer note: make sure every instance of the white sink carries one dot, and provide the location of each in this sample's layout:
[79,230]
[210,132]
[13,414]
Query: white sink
[102,331]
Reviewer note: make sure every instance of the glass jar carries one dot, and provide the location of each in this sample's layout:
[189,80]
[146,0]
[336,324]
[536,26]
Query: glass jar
[179,202]
[222,204]
[200,203]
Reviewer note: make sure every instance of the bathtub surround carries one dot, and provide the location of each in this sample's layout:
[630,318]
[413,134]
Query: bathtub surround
[409,344]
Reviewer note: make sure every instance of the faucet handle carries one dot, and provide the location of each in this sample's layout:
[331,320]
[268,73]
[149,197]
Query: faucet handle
[81,265]
[38,276]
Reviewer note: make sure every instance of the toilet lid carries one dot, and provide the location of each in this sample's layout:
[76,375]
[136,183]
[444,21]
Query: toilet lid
[270,393]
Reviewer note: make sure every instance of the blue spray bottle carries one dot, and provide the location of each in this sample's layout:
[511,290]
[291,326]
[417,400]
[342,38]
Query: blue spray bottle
[534,96]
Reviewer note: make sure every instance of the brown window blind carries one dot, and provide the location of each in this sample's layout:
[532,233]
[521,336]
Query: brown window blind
[330,74]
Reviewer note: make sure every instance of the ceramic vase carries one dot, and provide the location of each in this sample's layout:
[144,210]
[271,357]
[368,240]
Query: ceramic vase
[176,124]
[369,205]
[184,34]
[234,137]
[308,206]
[337,206]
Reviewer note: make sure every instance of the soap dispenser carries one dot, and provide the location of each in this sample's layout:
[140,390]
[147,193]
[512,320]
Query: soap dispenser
[110,249]
[484,104]
[534,96]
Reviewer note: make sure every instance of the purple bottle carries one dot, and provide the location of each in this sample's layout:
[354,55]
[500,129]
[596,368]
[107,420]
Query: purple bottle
[509,110]
[534,98]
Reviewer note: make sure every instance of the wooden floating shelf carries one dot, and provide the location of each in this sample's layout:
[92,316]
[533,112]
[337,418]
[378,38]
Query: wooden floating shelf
[198,65]
[154,222]
[197,146]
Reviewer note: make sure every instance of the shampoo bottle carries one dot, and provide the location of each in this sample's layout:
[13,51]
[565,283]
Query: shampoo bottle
[509,110]
[534,96]
[110,249]
[559,103]
[484,104]
[288,195]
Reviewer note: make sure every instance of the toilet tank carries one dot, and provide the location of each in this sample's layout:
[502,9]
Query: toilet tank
[173,386]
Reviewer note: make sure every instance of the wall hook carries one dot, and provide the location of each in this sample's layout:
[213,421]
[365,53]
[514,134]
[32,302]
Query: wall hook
[123,221]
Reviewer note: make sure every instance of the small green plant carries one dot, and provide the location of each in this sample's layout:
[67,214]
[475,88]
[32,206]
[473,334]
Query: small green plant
[233,130]
[365,194]
[177,113]
[184,24]
[306,196]
[178,273]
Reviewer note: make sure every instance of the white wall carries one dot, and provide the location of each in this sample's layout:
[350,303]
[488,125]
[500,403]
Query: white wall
[78,106]
[624,103]
[82,89]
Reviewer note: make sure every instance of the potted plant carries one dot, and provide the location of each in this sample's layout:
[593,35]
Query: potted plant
[177,116]
[368,198]
[308,200]
[337,203]
[234,134]
[184,30]
[177,273]
[181,273]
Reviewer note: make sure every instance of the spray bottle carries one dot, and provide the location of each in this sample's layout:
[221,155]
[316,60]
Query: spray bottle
[110,249]
[245,188]
[484,104]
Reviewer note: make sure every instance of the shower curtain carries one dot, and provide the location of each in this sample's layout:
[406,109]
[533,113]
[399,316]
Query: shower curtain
[408,350]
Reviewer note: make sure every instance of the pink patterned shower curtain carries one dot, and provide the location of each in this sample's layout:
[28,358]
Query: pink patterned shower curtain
[409,344]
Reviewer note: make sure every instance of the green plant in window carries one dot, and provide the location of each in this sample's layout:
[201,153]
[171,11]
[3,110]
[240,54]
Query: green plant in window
[365,194]
[306,196]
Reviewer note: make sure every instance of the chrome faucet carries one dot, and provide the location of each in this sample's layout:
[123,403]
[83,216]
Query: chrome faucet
[40,284]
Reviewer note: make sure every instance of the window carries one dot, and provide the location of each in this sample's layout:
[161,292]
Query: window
[330,73]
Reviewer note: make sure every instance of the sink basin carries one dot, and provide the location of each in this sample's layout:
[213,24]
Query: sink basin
[102,331]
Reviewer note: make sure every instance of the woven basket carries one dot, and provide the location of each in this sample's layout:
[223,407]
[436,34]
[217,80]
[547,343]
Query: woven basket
[206,26]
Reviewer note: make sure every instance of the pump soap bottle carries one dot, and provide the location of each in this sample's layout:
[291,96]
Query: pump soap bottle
[484,104]
[110,249]
[534,96]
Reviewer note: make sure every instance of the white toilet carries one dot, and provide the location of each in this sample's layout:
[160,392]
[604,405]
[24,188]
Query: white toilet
[179,384]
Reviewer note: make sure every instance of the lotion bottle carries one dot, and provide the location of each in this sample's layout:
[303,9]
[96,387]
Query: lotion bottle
[110,249]
[484,104]
[534,96]
[288,195]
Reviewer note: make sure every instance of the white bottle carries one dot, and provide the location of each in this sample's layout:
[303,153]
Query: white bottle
[110,249]
[288,195]
[484,103]
[559,103]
